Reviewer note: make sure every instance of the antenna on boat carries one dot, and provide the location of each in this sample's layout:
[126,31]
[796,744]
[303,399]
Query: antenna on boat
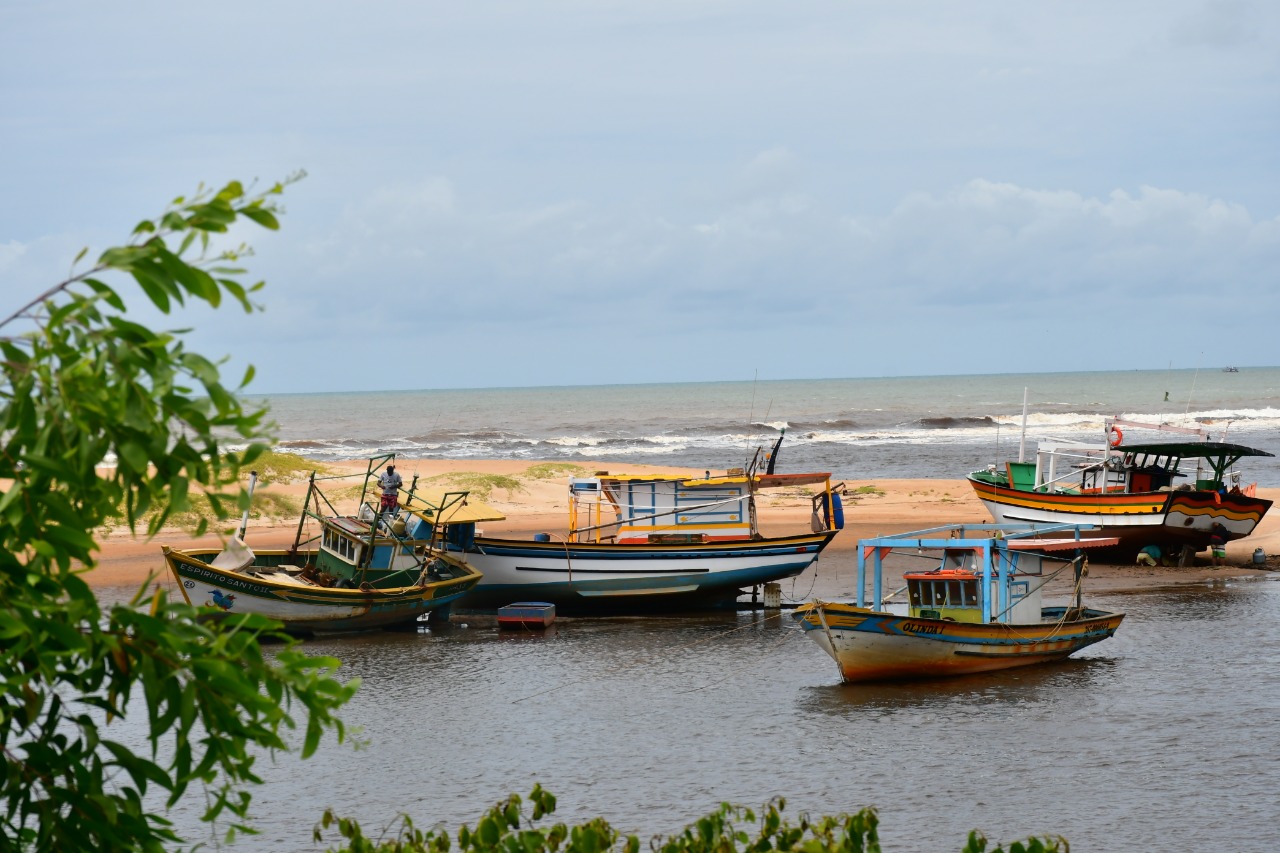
[244,521]
[773,455]
[1022,442]
[1186,415]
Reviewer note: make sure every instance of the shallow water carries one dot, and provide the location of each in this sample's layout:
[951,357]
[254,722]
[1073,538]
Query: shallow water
[1161,736]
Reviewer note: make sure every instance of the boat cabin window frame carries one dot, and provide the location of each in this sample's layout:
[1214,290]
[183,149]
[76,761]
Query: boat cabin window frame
[944,592]
[342,546]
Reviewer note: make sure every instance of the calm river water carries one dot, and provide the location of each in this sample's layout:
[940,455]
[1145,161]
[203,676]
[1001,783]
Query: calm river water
[1162,737]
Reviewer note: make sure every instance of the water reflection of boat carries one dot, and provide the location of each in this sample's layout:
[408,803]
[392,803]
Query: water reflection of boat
[973,696]
[1127,489]
[979,609]
[370,570]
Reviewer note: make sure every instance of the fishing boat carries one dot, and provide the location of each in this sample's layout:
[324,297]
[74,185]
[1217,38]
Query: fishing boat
[370,570]
[978,607]
[1129,488]
[652,542]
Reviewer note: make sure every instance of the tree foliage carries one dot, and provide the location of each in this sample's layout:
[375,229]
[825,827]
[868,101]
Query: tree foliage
[507,828]
[82,383]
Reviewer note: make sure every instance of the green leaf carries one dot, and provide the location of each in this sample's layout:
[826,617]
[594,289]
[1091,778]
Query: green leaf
[262,216]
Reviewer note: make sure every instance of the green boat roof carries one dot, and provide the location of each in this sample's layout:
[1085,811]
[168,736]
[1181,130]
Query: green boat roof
[1193,449]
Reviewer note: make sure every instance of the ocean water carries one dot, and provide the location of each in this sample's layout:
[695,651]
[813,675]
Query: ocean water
[939,426]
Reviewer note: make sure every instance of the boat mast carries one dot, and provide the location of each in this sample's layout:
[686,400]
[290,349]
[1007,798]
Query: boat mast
[1022,441]
[244,522]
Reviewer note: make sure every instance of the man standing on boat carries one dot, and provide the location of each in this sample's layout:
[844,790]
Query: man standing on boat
[390,482]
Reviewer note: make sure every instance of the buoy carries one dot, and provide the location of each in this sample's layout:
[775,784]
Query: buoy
[1259,556]
[833,510]
[1116,436]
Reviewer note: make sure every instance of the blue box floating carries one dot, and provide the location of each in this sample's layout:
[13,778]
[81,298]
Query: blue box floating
[527,615]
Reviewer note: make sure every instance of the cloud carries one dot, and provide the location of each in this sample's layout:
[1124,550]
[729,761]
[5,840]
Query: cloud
[1217,24]
[432,252]
[10,252]
[1000,243]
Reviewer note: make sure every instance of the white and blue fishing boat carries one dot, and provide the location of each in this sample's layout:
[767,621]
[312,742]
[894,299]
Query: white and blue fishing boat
[356,572]
[652,542]
[977,608]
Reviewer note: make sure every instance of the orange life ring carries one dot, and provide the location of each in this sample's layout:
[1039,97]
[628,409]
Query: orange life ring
[1116,436]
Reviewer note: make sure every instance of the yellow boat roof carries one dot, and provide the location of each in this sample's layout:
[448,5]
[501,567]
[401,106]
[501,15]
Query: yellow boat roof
[442,506]
[764,481]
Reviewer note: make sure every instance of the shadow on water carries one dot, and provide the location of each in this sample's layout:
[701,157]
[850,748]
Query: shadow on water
[982,693]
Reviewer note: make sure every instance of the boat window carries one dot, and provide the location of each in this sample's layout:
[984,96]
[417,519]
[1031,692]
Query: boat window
[953,591]
[969,590]
[914,589]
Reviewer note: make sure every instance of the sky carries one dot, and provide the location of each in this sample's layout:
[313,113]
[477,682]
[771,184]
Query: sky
[564,193]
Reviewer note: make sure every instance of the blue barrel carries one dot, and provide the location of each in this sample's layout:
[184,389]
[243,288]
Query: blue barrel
[832,504]
[542,537]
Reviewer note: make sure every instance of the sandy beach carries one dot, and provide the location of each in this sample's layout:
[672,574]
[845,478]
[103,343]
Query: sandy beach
[873,507]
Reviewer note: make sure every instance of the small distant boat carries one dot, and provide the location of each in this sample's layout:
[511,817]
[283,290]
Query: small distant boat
[1230,370]
[652,542]
[358,572]
[979,609]
[527,615]
[1128,489]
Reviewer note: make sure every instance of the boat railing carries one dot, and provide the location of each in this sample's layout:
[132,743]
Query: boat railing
[994,547]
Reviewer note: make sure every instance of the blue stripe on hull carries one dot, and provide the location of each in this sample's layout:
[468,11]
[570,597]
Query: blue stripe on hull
[667,591]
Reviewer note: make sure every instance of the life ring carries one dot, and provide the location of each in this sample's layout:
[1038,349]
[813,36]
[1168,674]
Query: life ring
[1116,436]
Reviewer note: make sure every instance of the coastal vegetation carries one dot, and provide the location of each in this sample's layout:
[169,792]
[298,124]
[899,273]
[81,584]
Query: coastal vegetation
[508,827]
[551,470]
[480,485]
[274,466]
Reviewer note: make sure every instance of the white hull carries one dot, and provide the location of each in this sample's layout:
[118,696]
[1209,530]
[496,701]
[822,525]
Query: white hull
[603,576]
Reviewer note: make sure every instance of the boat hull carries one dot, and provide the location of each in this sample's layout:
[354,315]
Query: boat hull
[1173,519]
[303,607]
[594,577]
[870,645]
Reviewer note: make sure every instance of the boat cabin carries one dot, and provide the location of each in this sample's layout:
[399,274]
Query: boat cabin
[1126,467]
[954,590]
[368,548]
[982,574]
[672,509]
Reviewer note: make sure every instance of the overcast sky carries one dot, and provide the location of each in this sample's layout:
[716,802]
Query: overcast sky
[562,193]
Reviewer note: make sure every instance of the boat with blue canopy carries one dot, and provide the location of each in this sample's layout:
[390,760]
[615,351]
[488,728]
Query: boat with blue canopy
[977,608]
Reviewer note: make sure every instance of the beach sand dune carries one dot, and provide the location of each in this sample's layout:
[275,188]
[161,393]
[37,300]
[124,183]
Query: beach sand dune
[872,508]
